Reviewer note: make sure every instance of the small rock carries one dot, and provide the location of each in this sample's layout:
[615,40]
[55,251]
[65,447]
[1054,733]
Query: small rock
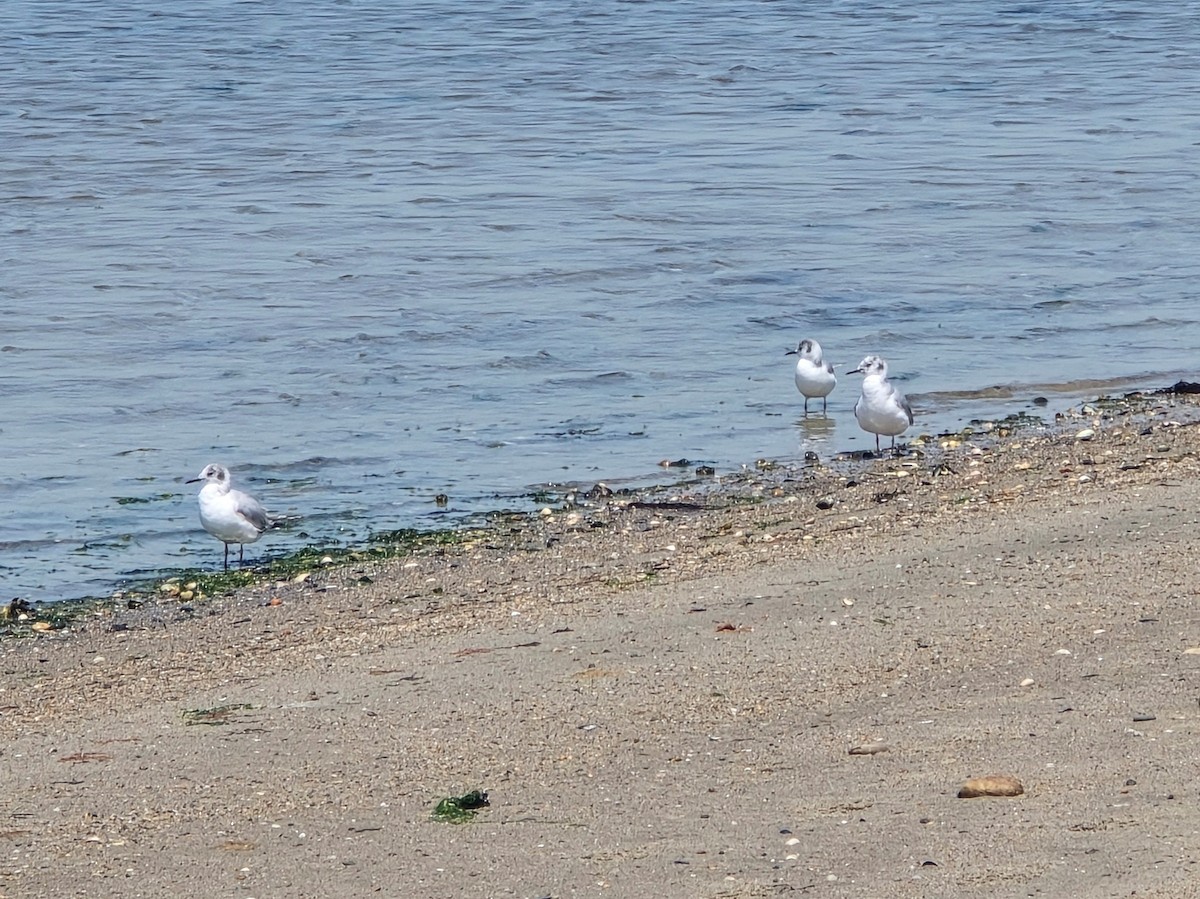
[992,785]
[1085,434]
[825,502]
[1028,682]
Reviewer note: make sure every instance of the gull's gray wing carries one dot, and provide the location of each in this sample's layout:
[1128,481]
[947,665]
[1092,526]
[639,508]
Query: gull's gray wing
[251,510]
[903,401]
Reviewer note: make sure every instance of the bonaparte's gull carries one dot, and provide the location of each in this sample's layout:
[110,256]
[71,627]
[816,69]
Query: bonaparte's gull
[814,376]
[229,515]
[882,409]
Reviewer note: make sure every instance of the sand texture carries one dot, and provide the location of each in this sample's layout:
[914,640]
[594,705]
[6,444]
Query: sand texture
[730,693]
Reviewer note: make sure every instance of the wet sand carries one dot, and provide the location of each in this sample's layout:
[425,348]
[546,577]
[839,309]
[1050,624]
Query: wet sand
[731,693]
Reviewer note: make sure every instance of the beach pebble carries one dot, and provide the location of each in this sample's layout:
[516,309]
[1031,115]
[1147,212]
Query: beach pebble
[992,785]
[1028,682]
[1085,434]
[825,502]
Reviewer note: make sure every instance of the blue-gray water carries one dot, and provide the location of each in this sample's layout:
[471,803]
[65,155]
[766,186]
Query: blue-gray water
[365,253]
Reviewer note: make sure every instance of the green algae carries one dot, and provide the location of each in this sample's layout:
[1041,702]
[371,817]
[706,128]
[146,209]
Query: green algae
[380,547]
[20,618]
[460,809]
[139,500]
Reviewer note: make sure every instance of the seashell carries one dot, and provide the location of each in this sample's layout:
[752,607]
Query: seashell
[870,749]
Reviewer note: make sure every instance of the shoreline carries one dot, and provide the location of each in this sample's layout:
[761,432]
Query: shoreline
[19,614]
[779,689]
[59,612]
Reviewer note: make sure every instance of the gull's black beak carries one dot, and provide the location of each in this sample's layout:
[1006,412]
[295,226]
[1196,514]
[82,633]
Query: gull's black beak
[194,481]
[790,353]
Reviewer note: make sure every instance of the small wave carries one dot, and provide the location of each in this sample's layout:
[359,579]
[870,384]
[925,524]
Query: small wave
[539,359]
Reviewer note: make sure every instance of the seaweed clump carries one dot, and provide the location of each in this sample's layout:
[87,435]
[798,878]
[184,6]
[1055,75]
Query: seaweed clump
[460,809]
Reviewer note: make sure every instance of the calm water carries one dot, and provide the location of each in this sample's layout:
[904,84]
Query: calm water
[365,253]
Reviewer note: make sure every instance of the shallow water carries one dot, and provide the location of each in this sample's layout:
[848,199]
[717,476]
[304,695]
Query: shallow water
[365,253]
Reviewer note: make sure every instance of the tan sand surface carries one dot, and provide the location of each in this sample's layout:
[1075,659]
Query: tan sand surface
[750,697]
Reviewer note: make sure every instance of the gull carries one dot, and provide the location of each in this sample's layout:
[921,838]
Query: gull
[814,376]
[229,515]
[882,408]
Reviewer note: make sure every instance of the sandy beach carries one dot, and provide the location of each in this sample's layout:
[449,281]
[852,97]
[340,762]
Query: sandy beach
[775,688]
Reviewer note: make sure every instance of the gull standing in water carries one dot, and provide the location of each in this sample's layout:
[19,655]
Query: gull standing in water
[229,515]
[814,376]
[882,408]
